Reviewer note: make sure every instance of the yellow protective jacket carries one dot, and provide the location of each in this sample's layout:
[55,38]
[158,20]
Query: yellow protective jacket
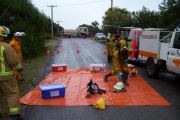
[110,46]
[115,61]
[16,45]
[123,43]
[8,61]
[123,60]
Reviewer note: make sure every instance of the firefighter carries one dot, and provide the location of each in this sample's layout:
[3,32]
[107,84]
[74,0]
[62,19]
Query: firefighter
[110,46]
[123,58]
[8,84]
[15,43]
[122,42]
[115,61]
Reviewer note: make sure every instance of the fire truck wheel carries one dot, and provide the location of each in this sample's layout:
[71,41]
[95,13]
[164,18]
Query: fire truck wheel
[152,69]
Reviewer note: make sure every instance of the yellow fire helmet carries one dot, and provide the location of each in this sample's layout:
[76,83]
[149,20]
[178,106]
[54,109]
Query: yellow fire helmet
[4,31]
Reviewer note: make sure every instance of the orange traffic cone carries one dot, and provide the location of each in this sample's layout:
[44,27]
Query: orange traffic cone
[58,50]
[105,51]
[77,50]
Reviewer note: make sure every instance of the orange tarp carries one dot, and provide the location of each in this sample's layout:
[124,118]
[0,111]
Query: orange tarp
[138,93]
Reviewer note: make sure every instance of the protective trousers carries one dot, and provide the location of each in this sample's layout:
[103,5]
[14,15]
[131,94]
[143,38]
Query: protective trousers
[9,90]
[109,57]
[125,77]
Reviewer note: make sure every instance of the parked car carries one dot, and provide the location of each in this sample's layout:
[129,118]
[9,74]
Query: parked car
[100,36]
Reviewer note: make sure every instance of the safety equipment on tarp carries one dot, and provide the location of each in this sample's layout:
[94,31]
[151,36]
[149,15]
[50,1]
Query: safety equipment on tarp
[119,87]
[93,88]
[133,72]
[100,104]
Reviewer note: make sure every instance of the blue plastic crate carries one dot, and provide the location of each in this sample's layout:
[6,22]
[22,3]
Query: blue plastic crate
[52,90]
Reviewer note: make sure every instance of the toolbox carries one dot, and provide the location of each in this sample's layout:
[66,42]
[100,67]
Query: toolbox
[97,67]
[59,67]
[52,90]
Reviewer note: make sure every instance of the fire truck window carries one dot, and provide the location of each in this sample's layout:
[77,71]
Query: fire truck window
[177,41]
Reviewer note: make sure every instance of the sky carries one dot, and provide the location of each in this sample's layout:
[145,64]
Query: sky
[72,13]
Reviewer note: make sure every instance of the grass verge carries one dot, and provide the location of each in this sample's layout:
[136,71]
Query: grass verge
[33,68]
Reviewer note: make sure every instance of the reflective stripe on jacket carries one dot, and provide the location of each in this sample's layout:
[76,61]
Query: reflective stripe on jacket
[8,61]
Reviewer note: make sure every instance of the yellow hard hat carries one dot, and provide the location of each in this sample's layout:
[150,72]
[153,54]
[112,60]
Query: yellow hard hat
[100,104]
[4,31]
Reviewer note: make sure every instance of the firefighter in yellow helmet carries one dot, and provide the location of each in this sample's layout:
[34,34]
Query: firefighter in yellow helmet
[8,84]
[15,43]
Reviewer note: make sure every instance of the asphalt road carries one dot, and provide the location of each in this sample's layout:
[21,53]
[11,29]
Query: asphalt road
[92,52]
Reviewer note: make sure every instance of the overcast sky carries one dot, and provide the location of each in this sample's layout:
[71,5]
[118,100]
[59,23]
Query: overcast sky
[73,13]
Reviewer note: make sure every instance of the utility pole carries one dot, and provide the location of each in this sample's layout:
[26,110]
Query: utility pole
[58,27]
[52,6]
[111,4]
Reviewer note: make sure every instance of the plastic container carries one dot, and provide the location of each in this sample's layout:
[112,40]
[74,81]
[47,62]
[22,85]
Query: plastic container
[59,67]
[97,67]
[52,90]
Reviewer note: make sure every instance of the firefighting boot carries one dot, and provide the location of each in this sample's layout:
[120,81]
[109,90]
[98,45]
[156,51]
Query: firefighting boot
[107,76]
[125,83]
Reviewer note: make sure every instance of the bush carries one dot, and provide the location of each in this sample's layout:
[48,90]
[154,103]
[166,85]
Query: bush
[21,15]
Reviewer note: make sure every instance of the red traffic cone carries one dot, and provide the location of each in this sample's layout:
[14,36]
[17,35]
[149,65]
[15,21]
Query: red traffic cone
[105,51]
[77,50]
[58,50]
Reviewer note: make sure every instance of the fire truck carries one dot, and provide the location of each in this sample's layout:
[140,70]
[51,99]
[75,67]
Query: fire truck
[79,32]
[159,49]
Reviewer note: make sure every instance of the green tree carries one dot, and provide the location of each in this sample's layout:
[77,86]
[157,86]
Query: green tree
[145,18]
[170,10]
[21,15]
[114,18]
[94,28]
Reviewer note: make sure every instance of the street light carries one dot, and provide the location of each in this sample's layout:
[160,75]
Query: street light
[52,6]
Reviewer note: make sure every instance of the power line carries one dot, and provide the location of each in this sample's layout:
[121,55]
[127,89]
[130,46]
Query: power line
[84,3]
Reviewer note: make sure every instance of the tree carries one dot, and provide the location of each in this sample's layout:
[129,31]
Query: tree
[21,15]
[114,18]
[167,4]
[95,28]
[95,24]
[145,18]
[170,13]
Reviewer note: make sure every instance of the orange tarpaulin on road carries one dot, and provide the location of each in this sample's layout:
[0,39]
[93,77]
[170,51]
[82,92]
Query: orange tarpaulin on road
[138,93]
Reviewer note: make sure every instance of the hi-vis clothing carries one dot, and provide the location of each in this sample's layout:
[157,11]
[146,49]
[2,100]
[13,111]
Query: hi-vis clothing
[16,45]
[123,43]
[124,53]
[115,61]
[8,83]
[110,46]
